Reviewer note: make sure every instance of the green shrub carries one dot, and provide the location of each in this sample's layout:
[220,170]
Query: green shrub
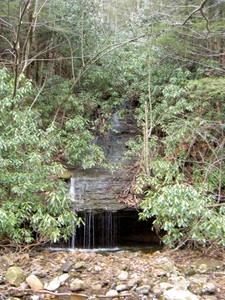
[34,205]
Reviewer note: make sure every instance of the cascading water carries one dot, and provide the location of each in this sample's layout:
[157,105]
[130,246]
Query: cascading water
[99,230]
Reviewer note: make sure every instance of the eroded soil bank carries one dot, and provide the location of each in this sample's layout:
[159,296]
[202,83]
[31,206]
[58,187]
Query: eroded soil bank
[178,275]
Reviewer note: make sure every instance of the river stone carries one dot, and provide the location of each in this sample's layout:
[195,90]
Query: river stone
[190,272]
[33,297]
[134,281]
[168,267]
[123,275]
[79,265]
[202,268]
[144,289]
[15,276]
[34,282]
[77,285]
[157,291]
[56,282]
[2,279]
[67,266]
[177,294]
[196,283]
[53,285]
[122,287]
[165,286]
[208,288]
[112,293]
[63,278]
[180,282]
[96,287]
[24,286]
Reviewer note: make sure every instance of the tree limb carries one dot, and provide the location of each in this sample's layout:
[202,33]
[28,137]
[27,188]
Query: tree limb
[98,56]
[194,12]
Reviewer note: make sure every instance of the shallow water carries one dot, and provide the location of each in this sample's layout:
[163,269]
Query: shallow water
[146,249]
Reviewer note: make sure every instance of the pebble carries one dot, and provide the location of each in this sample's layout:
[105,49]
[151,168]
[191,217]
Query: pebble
[122,287]
[53,285]
[34,283]
[77,285]
[34,297]
[123,275]
[63,278]
[134,281]
[208,288]
[177,294]
[79,265]
[144,289]
[96,287]
[112,293]
[2,279]
[67,266]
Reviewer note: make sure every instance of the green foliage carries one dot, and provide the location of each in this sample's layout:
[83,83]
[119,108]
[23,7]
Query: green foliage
[186,165]
[33,206]
[183,211]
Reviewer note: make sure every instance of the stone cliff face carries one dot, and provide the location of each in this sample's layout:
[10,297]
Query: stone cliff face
[108,223]
[99,188]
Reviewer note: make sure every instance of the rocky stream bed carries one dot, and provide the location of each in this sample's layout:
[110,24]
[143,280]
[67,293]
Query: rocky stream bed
[168,275]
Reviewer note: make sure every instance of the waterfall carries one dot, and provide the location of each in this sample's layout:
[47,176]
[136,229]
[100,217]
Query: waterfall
[77,192]
[99,230]
[94,192]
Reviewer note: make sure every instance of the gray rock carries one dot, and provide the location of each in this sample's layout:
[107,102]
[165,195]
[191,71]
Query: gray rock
[24,286]
[112,293]
[208,288]
[79,265]
[2,279]
[197,283]
[77,285]
[165,286]
[56,282]
[180,282]
[157,291]
[122,287]
[96,286]
[15,276]
[67,266]
[144,289]
[190,272]
[53,285]
[123,275]
[134,281]
[63,278]
[34,297]
[177,294]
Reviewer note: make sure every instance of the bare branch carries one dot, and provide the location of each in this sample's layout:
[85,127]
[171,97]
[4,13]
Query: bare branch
[11,45]
[194,11]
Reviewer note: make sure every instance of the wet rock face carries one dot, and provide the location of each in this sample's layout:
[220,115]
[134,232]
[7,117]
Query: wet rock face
[98,188]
